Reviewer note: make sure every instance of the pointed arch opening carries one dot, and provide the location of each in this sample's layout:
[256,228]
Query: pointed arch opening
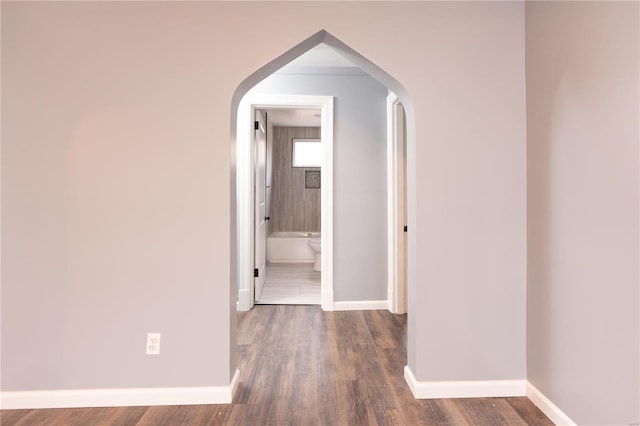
[239,231]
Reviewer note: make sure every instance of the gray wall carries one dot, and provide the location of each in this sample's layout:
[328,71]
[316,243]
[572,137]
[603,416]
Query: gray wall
[582,135]
[106,223]
[117,184]
[360,186]
[293,207]
[467,253]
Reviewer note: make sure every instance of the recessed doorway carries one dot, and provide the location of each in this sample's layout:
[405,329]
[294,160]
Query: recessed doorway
[252,233]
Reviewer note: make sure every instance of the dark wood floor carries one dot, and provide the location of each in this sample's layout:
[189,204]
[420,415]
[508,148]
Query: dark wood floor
[302,366]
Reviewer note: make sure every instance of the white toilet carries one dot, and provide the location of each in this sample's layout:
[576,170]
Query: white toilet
[314,243]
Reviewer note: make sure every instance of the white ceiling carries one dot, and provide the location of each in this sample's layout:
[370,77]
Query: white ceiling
[321,55]
[294,117]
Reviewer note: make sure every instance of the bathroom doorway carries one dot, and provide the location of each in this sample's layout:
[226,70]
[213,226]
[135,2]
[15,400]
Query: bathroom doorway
[296,281]
[288,174]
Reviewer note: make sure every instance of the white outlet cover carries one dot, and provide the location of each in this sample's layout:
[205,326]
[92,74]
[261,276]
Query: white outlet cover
[153,343]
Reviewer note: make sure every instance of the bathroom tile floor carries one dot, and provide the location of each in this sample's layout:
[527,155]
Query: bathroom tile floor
[291,284]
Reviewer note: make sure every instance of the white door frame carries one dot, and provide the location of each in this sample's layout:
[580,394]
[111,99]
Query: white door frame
[396,188]
[245,193]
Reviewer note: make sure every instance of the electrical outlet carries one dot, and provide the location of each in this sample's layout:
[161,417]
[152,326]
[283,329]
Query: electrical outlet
[153,343]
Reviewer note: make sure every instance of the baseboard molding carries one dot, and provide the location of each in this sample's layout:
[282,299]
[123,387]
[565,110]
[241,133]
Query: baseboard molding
[119,397]
[326,296]
[361,305]
[244,300]
[551,410]
[464,389]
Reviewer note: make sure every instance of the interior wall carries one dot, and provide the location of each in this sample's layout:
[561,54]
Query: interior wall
[117,199]
[294,207]
[582,131]
[360,190]
[467,253]
[111,217]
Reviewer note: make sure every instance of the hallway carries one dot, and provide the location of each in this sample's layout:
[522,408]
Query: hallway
[302,366]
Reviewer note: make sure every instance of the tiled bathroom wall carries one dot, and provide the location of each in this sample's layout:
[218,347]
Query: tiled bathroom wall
[293,208]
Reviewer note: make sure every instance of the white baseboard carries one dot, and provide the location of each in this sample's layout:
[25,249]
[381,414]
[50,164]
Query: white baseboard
[244,300]
[119,397]
[547,407]
[326,296]
[361,305]
[464,389]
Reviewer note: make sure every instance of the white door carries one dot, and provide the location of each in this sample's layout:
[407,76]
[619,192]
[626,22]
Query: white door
[260,244]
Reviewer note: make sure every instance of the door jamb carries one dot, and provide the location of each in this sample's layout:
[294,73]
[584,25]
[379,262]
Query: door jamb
[245,191]
[396,187]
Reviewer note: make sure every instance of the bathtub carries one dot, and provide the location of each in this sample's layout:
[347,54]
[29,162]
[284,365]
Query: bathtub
[290,247]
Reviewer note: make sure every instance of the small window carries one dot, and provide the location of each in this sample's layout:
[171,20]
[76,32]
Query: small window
[307,153]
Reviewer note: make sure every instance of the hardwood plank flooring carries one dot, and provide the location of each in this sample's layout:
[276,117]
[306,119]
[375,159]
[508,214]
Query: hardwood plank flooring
[302,366]
[290,284]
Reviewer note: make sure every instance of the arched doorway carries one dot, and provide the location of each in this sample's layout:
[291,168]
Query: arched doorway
[241,234]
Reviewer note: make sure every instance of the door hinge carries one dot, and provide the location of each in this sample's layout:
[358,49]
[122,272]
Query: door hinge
[256,125]
[256,273]
[405,228]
